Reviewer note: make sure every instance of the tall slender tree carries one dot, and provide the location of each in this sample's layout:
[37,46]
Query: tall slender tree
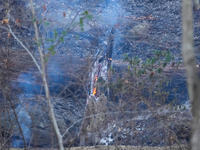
[191,71]
[44,78]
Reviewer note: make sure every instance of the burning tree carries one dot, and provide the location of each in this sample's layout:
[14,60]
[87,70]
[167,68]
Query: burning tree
[101,67]
[99,73]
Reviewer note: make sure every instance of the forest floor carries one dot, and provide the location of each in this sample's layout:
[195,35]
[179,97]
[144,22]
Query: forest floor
[183,147]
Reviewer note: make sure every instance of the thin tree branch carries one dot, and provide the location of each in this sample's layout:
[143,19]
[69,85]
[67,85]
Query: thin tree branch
[34,60]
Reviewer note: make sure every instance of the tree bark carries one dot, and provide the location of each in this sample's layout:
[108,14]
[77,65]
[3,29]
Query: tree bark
[191,71]
[51,111]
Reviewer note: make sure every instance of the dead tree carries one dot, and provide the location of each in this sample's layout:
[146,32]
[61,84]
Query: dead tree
[99,71]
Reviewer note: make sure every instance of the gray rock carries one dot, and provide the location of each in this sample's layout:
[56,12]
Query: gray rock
[139,30]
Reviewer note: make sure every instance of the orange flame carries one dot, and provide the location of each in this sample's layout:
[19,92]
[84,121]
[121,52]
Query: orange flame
[94,91]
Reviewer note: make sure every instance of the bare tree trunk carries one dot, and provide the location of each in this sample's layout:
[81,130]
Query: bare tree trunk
[51,111]
[96,73]
[191,71]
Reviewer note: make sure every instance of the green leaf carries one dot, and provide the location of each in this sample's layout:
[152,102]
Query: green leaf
[138,62]
[50,40]
[55,34]
[125,58]
[81,25]
[39,44]
[46,23]
[159,70]
[148,61]
[167,83]
[53,52]
[169,57]
[128,67]
[81,22]
[164,64]
[51,48]
[179,63]
[153,60]
[34,20]
[89,17]
[130,62]
[155,51]
[143,71]
[46,59]
[61,39]
[85,13]
[64,33]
